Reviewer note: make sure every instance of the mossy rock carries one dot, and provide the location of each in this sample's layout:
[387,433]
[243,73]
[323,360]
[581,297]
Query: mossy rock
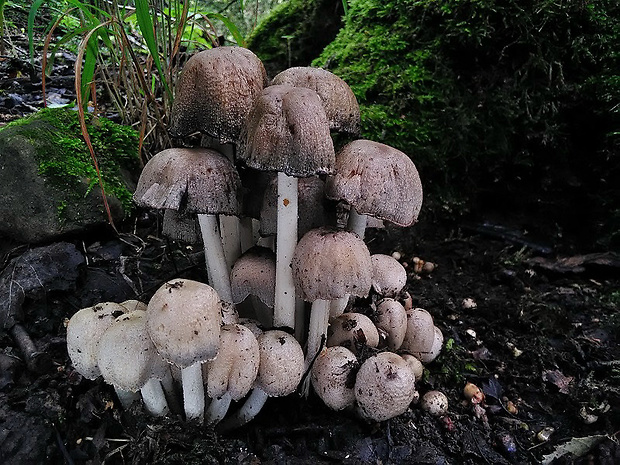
[48,183]
[295,33]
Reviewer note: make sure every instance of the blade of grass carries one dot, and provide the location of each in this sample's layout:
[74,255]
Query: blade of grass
[230,26]
[31,15]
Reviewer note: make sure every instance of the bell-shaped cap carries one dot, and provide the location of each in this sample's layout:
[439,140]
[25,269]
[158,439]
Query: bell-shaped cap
[254,273]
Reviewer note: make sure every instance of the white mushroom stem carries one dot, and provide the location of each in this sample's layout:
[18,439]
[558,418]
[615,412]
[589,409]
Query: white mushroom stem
[231,242]
[338,306]
[319,317]
[286,240]
[219,273]
[217,409]
[251,407]
[246,233]
[357,222]
[126,397]
[193,392]
[154,398]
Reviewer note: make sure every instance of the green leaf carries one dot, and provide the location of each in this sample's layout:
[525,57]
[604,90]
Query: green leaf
[31,15]
[230,26]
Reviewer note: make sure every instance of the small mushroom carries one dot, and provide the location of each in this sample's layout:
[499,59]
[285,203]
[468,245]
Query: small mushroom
[391,317]
[384,386]
[332,377]
[415,364]
[420,334]
[388,275]
[353,331]
[435,403]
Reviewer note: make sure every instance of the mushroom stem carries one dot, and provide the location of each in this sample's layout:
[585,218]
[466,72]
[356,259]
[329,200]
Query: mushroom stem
[218,408]
[229,228]
[193,392]
[286,239]
[216,261]
[126,397]
[246,233]
[319,317]
[154,398]
[357,222]
[251,407]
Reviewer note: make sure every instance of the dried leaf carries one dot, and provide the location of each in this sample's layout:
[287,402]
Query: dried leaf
[576,446]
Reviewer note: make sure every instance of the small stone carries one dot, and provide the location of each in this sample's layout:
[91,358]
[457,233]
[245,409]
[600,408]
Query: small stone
[469,304]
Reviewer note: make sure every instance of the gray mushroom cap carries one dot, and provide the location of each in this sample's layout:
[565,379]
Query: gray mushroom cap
[377,180]
[329,264]
[281,363]
[287,131]
[388,275]
[341,107]
[127,357]
[332,377]
[384,386]
[183,321]
[235,368]
[254,273]
[191,180]
[84,331]
[215,92]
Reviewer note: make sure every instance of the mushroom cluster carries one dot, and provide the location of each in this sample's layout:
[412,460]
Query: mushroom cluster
[263,191]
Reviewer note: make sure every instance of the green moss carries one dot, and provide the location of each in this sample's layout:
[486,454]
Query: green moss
[64,158]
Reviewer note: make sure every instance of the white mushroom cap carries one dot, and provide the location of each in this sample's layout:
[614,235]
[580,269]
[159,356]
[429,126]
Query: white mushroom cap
[254,273]
[329,264]
[435,403]
[183,320]
[391,317]
[332,378]
[236,365]
[352,330]
[435,350]
[340,104]
[281,363]
[388,275]
[127,357]
[384,386]
[84,332]
[132,305]
[420,333]
[415,364]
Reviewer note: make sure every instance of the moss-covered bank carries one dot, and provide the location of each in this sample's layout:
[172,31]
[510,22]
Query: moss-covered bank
[513,99]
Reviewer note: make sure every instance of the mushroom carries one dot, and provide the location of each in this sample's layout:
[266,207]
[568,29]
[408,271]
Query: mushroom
[377,180]
[129,361]
[416,365]
[435,403]
[384,386]
[391,317]
[338,99]
[231,374]
[196,180]
[329,264]
[353,331]
[333,377]
[183,320]
[420,334]
[436,346]
[287,131]
[280,370]
[388,275]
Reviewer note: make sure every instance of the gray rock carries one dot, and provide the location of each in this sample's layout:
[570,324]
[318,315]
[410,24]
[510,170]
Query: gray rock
[36,208]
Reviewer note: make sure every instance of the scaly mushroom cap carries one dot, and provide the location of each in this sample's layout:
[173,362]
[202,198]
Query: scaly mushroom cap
[384,386]
[84,331]
[215,92]
[190,180]
[236,365]
[127,357]
[377,180]
[435,403]
[420,333]
[391,317]
[254,273]
[281,363]
[341,107]
[287,131]
[332,377]
[183,320]
[388,275]
[352,330]
[329,264]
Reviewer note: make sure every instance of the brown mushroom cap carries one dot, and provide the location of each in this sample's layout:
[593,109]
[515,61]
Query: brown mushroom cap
[331,377]
[391,317]
[388,275]
[183,320]
[329,264]
[384,386]
[215,92]
[352,330]
[281,363]
[377,180]
[236,365]
[341,107]
[287,131]
[191,180]
[254,273]
[420,333]
[84,332]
